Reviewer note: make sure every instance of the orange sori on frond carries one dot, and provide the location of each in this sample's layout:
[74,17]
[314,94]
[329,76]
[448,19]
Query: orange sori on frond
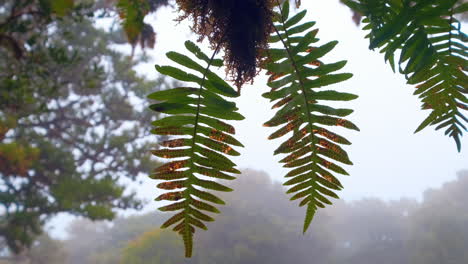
[170,196]
[315,63]
[226,149]
[332,136]
[171,166]
[275,76]
[180,142]
[217,135]
[282,102]
[171,185]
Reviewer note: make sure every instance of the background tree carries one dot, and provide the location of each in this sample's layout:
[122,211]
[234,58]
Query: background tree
[72,132]
[439,230]
[379,233]
[45,250]
[108,240]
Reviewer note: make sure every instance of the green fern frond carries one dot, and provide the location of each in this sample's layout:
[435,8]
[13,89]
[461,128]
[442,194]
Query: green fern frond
[297,78]
[202,144]
[433,55]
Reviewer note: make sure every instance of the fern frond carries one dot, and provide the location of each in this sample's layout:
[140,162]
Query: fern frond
[297,78]
[201,146]
[433,55]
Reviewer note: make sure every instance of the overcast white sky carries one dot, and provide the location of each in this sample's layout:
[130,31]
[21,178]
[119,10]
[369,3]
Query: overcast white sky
[389,160]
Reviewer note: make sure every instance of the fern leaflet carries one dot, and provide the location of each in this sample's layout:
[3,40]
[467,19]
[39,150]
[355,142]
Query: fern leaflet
[202,143]
[433,55]
[296,80]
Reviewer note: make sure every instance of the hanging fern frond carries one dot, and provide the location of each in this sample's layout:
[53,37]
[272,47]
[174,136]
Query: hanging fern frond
[432,54]
[297,81]
[202,143]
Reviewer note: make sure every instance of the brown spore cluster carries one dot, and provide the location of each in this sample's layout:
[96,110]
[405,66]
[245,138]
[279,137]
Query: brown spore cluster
[240,27]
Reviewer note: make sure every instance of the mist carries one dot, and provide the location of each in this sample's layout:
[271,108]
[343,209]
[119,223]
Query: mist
[260,225]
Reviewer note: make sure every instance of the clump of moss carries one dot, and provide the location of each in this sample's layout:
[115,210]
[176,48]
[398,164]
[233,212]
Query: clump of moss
[240,27]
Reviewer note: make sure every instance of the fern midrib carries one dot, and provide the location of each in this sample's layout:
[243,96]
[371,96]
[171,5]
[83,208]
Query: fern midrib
[192,148]
[301,84]
[450,32]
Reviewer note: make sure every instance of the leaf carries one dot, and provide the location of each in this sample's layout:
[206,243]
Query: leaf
[311,209]
[200,138]
[171,94]
[61,7]
[296,80]
[171,153]
[295,19]
[432,54]
[204,206]
[132,13]
[332,96]
[174,219]
[192,47]
[285,10]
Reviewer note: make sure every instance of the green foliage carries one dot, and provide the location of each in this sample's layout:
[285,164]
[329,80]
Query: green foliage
[297,77]
[296,74]
[432,54]
[45,250]
[161,241]
[16,158]
[132,14]
[61,7]
[195,113]
[70,136]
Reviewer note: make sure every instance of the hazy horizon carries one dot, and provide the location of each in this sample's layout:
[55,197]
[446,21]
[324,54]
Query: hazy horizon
[259,225]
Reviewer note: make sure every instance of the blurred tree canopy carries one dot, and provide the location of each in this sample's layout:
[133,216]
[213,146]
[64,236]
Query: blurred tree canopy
[43,250]
[72,119]
[440,225]
[262,228]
